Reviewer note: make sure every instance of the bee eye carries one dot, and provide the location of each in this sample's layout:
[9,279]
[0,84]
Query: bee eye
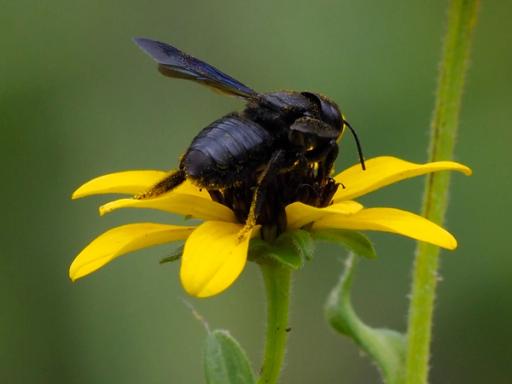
[328,111]
[331,114]
[312,97]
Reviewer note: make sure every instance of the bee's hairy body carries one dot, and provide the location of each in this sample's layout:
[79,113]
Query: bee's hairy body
[238,146]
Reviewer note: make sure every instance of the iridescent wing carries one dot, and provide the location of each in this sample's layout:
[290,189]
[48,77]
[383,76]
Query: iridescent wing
[174,63]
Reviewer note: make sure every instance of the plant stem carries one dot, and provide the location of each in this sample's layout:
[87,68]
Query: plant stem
[277,280]
[457,41]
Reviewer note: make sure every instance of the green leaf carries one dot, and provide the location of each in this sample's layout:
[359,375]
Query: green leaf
[351,240]
[288,251]
[257,249]
[173,256]
[304,243]
[386,347]
[291,249]
[287,257]
[225,361]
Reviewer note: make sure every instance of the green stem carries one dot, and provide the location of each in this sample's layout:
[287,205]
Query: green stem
[457,41]
[277,285]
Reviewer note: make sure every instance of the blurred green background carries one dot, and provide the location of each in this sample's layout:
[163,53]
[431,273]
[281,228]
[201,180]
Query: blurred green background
[78,99]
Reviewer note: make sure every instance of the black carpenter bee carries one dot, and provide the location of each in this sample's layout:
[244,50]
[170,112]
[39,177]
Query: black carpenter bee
[280,149]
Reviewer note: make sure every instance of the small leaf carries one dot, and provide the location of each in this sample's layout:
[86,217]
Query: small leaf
[291,249]
[287,257]
[386,347]
[351,240]
[304,243]
[225,361]
[173,256]
[257,249]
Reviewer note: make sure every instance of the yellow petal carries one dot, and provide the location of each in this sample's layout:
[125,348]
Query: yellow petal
[121,240]
[299,214]
[127,182]
[391,220]
[130,183]
[190,189]
[179,203]
[214,256]
[385,170]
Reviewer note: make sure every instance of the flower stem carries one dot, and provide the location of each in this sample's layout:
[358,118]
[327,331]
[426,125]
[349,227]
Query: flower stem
[457,41]
[277,280]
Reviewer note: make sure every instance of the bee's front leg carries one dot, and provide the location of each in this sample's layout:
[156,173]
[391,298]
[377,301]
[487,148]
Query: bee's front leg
[279,160]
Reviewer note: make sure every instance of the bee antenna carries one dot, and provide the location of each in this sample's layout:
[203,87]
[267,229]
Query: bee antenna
[359,149]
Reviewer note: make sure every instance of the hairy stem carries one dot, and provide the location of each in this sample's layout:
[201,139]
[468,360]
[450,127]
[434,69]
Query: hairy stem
[457,41]
[277,280]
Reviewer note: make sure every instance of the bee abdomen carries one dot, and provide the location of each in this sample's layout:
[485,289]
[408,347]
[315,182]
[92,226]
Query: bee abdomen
[225,150]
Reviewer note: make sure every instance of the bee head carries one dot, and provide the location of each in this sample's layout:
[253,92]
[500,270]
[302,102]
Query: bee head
[329,113]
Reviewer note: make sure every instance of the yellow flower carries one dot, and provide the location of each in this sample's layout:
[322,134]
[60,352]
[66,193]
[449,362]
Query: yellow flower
[215,251]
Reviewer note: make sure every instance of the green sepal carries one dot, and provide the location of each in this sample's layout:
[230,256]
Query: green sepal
[351,240]
[304,243]
[225,362]
[292,249]
[175,255]
[386,347]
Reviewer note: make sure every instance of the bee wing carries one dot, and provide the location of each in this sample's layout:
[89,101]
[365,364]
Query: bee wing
[174,63]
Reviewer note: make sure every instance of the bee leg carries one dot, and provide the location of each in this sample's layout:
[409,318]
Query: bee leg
[216,195]
[169,183]
[280,159]
[326,164]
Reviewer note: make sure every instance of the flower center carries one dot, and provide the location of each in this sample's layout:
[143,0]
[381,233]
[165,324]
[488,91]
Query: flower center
[304,185]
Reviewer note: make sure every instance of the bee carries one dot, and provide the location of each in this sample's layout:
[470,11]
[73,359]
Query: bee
[279,149]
